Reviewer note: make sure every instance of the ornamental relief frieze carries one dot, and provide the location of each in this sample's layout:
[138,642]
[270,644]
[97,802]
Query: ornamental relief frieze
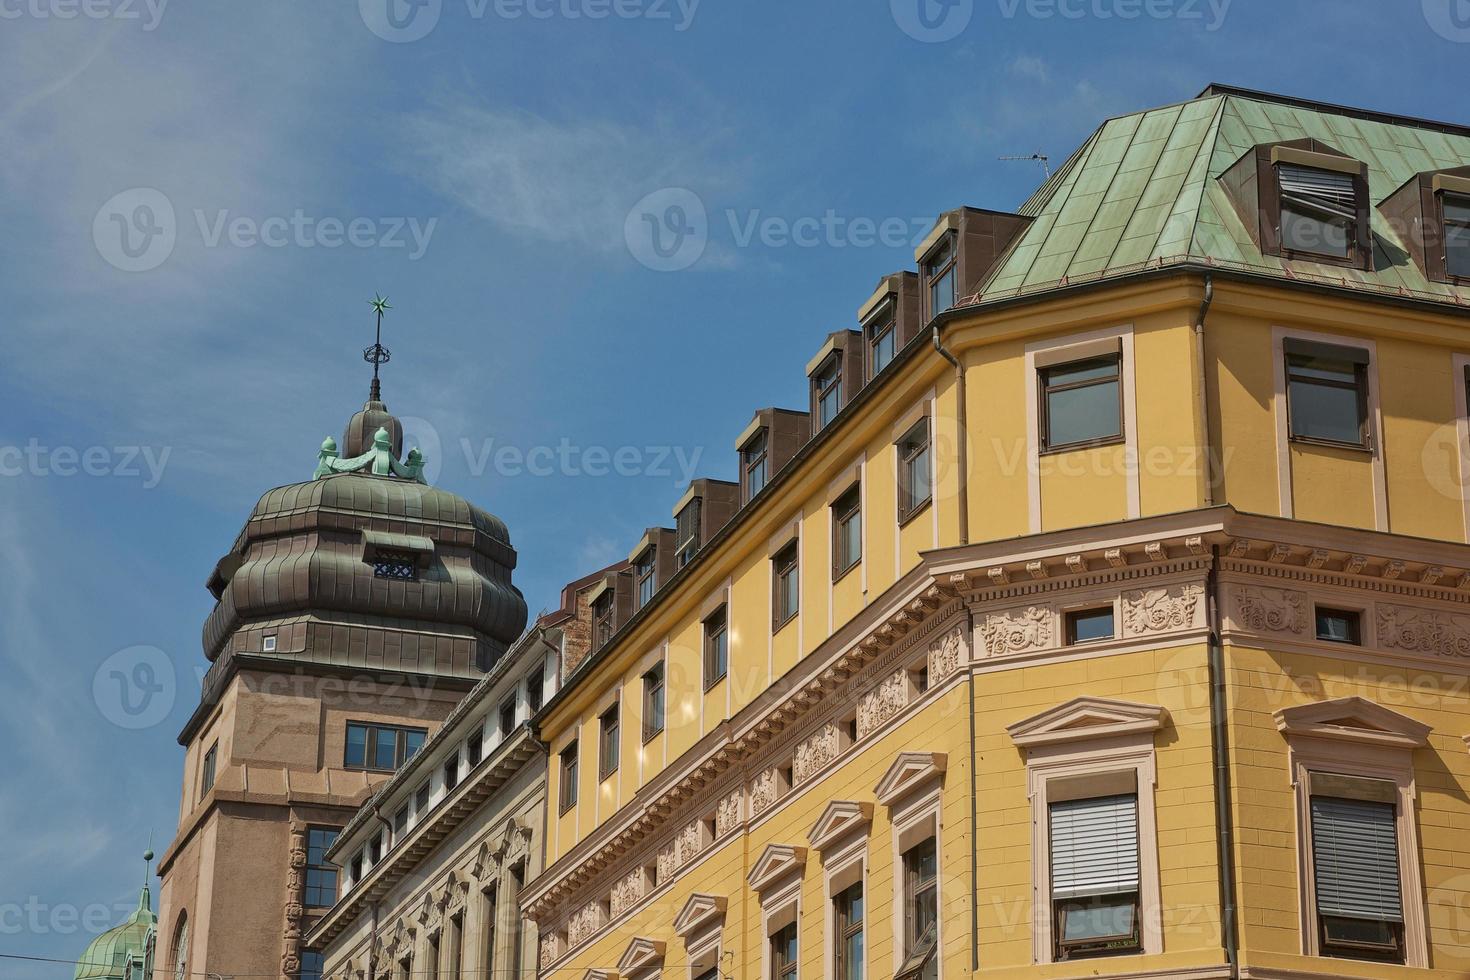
[583,923]
[946,656]
[815,752]
[628,890]
[1428,631]
[1017,630]
[549,950]
[1161,609]
[882,703]
[1271,610]
[763,791]
[729,814]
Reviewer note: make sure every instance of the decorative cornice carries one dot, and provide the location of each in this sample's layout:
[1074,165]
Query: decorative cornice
[775,862]
[1084,718]
[1353,719]
[840,819]
[908,772]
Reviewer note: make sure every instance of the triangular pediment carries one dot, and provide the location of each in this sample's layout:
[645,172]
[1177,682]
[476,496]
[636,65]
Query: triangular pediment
[1353,719]
[702,909]
[775,862]
[908,772]
[642,954]
[840,819]
[597,973]
[1085,718]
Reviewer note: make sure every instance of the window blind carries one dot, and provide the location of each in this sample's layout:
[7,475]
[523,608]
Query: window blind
[1094,846]
[1326,188]
[1355,854]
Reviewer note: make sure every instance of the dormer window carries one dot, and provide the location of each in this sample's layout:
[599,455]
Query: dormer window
[753,468]
[827,389]
[602,618]
[686,526]
[1319,210]
[645,575]
[881,338]
[939,276]
[1456,217]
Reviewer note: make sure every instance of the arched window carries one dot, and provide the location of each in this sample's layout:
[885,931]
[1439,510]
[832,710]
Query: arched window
[181,948]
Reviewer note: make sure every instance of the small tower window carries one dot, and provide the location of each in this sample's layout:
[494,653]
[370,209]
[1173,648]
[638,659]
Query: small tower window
[396,565]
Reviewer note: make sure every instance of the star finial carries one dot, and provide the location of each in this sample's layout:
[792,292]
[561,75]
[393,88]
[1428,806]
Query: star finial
[379,304]
[377,354]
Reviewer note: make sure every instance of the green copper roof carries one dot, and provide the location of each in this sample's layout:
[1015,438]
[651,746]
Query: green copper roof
[1142,192]
[107,957]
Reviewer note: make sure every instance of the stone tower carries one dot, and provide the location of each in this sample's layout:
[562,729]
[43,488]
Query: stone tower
[352,613]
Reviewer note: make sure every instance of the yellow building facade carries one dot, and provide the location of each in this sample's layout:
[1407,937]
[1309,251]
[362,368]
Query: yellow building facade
[1116,626]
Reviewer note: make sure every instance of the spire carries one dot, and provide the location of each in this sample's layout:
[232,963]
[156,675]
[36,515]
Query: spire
[377,354]
[145,900]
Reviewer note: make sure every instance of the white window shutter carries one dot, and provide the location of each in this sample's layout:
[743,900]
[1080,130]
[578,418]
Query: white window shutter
[1355,855]
[1094,846]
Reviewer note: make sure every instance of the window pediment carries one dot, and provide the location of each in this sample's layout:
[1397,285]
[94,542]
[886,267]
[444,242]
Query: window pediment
[840,819]
[642,954]
[1353,719]
[1085,718]
[702,910]
[908,772]
[775,862]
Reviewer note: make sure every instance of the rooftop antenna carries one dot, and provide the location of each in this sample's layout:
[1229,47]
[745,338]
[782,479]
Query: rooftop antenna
[1039,157]
[377,354]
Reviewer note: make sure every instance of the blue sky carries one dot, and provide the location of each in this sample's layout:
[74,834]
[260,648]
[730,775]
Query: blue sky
[482,176]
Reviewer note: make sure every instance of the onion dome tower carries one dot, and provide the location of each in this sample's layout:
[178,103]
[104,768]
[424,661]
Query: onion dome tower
[124,952]
[352,613]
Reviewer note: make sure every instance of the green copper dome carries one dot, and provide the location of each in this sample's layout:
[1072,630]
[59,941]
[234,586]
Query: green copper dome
[111,955]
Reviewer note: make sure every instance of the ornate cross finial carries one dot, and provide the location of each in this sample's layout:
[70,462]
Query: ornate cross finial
[377,354]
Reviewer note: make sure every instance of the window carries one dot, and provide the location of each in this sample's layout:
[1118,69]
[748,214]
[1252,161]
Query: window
[1456,212]
[1082,403]
[456,945]
[400,822]
[849,918]
[507,717]
[533,691]
[474,748]
[451,772]
[913,470]
[381,747]
[920,911]
[786,579]
[405,968]
[686,531]
[753,464]
[207,770]
[607,748]
[268,644]
[394,565]
[847,530]
[375,850]
[1355,858]
[357,865]
[311,965]
[487,933]
[1319,211]
[1090,625]
[421,799]
[653,701]
[602,618]
[645,574]
[783,953]
[716,647]
[1339,625]
[568,791]
[882,341]
[1327,393]
[939,274]
[321,876]
[1094,876]
[827,383]
[181,949]
[432,973]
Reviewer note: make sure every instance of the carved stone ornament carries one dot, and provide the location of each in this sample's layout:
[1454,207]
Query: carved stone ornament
[1273,610]
[548,951]
[763,791]
[815,752]
[486,866]
[728,816]
[689,843]
[883,702]
[1163,608]
[1438,634]
[946,655]
[628,890]
[668,861]
[1017,630]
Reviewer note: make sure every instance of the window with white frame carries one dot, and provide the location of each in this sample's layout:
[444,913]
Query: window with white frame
[1327,392]
[1094,876]
[920,912]
[784,952]
[1355,868]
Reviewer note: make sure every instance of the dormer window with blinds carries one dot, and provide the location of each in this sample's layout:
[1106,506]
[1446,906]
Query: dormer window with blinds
[1319,210]
[686,529]
[1355,864]
[1095,877]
